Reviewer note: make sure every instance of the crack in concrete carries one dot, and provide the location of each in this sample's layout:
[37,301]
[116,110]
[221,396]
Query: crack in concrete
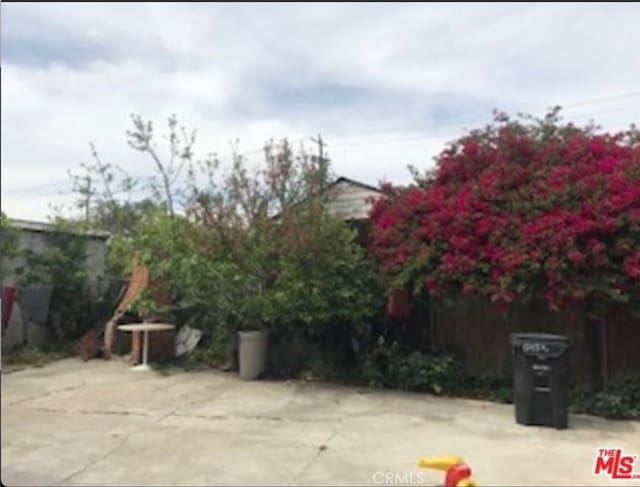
[226,417]
[120,412]
[46,394]
[70,388]
[120,444]
[322,448]
[98,460]
[92,412]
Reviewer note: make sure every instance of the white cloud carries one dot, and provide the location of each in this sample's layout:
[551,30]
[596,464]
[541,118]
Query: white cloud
[386,84]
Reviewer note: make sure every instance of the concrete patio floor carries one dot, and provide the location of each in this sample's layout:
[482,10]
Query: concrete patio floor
[99,423]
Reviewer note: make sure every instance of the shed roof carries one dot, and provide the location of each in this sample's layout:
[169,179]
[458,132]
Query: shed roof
[343,179]
[348,198]
[46,227]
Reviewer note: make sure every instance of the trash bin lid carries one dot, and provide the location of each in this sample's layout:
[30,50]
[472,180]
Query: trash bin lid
[540,344]
[538,336]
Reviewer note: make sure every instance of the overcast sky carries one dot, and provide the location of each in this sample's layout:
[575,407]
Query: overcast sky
[386,84]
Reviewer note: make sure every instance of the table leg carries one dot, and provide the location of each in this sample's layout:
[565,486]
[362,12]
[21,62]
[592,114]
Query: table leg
[146,347]
[145,351]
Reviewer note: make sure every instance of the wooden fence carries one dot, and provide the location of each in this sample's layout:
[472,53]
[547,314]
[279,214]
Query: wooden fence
[600,348]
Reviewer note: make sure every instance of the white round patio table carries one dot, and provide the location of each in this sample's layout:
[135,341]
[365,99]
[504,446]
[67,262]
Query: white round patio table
[145,328]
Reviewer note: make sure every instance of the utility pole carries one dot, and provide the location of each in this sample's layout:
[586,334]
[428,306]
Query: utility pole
[321,143]
[87,204]
[322,162]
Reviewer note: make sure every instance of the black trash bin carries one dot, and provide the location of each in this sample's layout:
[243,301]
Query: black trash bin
[541,379]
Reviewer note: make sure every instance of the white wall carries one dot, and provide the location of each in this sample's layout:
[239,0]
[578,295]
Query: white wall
[349,201]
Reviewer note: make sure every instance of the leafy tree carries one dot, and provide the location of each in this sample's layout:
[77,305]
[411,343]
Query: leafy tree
[99,188]
[181,143]
[253,247]
[271,222]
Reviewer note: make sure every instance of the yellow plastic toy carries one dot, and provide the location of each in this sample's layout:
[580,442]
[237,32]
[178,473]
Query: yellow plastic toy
[457,472]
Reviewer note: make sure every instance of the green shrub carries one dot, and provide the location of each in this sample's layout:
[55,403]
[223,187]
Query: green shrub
[325,286]
[208,290]
[490,386]
[119,253]
[327,280]
[376,365]
[437,373]
[621,400]
[75,307]
[392,366]
[611,406]
[212,295]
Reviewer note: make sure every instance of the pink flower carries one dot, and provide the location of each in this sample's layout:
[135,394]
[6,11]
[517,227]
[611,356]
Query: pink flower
[632,266]
[632,269]
[576,256]
[494,253]
[513,261]
[459,243]
[414,198]
[450,262]
[484,226]
[608,224]
[495,274]
[467,288]
[607,165]
[634,215]
[595,245]
[470,149]
[387,221]
[432,286]
[596,146]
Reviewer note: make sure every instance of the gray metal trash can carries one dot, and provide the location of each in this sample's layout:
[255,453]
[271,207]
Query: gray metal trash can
[541,379]
[252,354]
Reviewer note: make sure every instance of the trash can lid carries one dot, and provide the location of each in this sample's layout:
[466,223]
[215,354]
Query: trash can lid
[540,344]
[520,337]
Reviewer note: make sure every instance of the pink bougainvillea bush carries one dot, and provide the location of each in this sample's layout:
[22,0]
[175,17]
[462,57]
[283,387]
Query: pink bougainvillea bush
[520,208]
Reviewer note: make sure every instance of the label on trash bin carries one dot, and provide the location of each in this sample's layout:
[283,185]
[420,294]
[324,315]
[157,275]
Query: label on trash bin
[541,368]
[534,347]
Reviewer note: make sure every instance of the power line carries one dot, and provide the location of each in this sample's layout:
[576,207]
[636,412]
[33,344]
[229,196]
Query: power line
[462,125]
[602,100]
[618,109]
[34,188]
[365,139]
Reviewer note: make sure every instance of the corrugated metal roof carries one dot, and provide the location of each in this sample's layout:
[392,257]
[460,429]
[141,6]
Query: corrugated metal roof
[35,226]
